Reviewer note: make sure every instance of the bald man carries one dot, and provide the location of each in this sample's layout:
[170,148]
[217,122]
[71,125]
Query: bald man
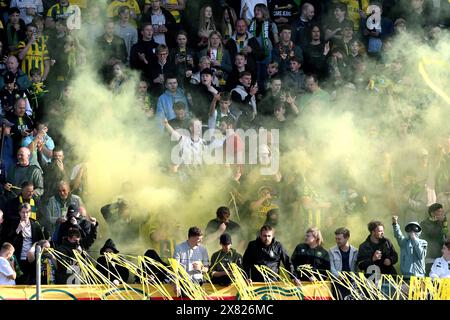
[302,25]
[23,171]
[22,80]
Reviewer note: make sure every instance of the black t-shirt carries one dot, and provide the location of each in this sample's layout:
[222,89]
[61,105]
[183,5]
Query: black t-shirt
[345,260]
[279,9]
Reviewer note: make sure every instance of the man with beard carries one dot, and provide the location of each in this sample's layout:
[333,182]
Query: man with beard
[266,251]
[377,251]
[244,43]
[301,26]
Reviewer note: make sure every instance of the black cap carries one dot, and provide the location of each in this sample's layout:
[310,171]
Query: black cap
[225,239]
[109,244]
[72,210]
[207,71]
[9,77]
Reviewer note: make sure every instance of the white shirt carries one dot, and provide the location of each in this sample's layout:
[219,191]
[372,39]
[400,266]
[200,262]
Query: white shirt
[5,271]
[159,20]
[27,242]
[440,268]
[191,151]
[186,256]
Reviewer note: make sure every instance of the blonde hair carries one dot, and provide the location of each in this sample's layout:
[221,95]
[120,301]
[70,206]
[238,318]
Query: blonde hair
[217,33]
[317,235]
[6,247]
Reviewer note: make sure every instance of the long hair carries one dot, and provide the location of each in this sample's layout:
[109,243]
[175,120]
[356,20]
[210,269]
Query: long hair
[264,10]
[233,18]
[317,235]
[309,34]
[202,20]
[220,37]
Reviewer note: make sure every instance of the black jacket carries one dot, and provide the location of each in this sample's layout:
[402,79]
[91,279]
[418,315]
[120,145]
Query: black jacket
[146,47]
[11,210]
[170,24]
[154,269]
[317,258]
[116,49]
[87,229]
[66,258]
[153,70]
[367,249]
[19,125]
[221,261]
[17,239]
[257,53]
[201,101]
[272,256]
[112,272]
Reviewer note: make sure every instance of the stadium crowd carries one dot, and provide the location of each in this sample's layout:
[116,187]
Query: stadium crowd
[218,66]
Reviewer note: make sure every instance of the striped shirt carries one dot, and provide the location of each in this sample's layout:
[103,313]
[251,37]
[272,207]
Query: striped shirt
[35,57]
[57,11]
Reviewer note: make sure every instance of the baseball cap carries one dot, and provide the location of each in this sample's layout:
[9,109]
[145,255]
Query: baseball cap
[72,210]
[5,122]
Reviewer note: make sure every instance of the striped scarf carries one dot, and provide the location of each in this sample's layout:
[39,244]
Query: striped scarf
[265,34]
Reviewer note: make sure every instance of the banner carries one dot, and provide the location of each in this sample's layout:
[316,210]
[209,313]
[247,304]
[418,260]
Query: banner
[276,291]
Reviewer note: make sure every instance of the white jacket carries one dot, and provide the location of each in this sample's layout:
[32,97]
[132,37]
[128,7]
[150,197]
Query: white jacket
[440,268]
[336,260]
